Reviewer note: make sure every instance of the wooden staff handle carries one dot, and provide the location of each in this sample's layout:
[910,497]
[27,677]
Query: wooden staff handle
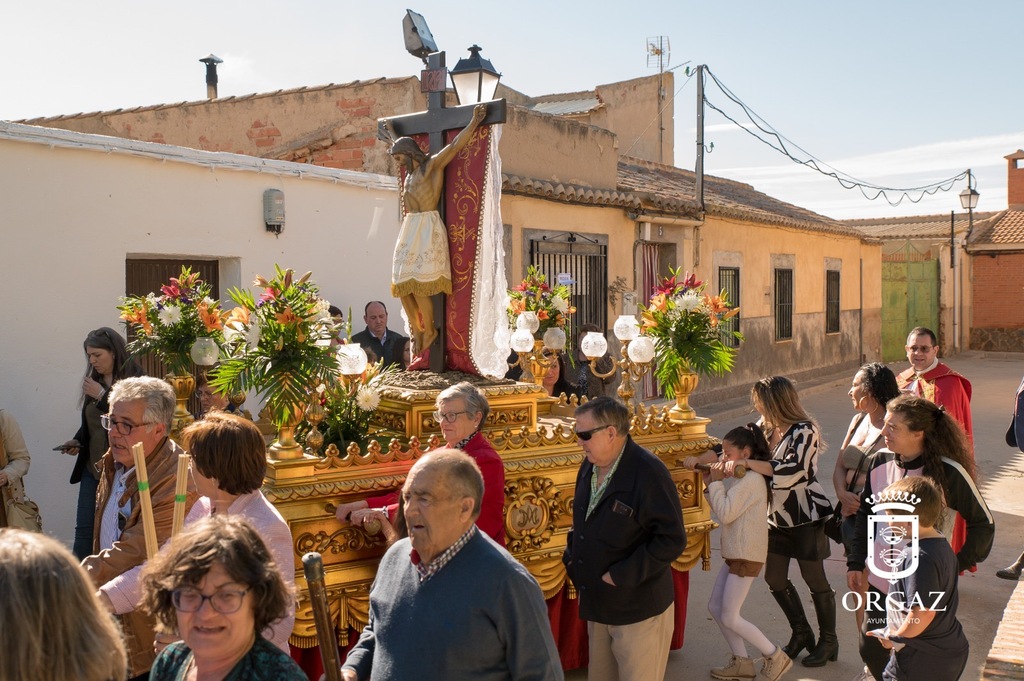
[313,566]
[180,494]
[145,500]
[739,471]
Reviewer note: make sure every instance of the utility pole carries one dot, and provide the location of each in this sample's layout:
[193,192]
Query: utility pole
[698,168]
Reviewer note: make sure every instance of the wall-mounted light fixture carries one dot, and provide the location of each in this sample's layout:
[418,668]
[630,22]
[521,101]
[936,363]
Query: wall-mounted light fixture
[273,210]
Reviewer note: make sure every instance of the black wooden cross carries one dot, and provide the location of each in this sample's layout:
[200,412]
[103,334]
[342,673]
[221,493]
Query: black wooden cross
[434,122]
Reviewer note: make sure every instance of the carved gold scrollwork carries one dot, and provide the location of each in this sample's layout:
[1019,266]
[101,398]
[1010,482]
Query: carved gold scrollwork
[686,489]
[339,541]
[349,608]
[533,505]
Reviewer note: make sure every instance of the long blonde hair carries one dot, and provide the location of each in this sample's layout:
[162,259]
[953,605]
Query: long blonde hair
[779,402]
[51,623]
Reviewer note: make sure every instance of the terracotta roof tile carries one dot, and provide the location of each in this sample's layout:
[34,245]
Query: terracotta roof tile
[201,102]
[672,190]
[1005,228]
[914,227]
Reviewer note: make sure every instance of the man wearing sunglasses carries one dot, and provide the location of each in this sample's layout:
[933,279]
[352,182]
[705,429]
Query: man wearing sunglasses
[140,412]
[627,528]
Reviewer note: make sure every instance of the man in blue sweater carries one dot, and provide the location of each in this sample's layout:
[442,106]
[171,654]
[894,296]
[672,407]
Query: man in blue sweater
[448,602]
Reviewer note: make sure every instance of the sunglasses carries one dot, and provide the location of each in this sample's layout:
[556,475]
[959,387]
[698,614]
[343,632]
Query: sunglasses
[585,435]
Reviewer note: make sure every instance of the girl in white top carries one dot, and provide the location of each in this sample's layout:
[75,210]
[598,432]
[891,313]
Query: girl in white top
[740,506]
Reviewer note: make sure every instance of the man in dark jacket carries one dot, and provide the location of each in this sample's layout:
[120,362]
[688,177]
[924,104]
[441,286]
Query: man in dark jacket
[378,338]
[627,529]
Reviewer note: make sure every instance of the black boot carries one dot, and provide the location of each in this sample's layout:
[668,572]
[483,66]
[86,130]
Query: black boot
[803,637]
[827,649]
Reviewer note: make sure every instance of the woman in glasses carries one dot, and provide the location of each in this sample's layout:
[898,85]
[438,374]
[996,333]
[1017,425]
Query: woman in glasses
[461,410]
[229,461]
[219,588]
[107,363]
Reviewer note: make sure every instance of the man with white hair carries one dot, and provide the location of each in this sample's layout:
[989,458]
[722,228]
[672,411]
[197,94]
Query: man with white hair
[141,410]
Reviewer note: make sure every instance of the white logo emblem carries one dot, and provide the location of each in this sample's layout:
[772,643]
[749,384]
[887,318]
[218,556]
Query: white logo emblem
[897,534]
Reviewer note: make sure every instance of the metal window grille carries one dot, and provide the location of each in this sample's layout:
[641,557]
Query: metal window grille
[587,264]
[729,281]
[832,301]
[783,304]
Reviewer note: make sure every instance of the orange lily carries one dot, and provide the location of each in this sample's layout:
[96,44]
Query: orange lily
[240,315]
[659,302]
[286,317]
[212,319]
[542,315]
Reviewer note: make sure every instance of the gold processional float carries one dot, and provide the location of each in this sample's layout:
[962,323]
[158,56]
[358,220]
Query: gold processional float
[533,434]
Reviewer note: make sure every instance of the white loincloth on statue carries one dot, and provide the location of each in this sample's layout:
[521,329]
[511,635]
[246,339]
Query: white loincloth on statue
[421,264]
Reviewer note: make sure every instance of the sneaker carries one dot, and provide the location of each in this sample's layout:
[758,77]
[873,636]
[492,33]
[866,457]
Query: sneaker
[775,665]
[738,669]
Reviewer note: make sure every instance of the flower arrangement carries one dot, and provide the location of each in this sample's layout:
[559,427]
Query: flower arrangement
[169,324]
[685,324]
[534,294]
[278,344]
[350,403]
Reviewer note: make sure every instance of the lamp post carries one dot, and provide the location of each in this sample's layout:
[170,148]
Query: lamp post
[474,78]
[968,201]
[637,354]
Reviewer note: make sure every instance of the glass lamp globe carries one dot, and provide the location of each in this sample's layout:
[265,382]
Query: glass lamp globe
[626,327]
[528,321]
[205,351]
[594,345]
[351,359]
[554,338]
[641,350]
[522,340]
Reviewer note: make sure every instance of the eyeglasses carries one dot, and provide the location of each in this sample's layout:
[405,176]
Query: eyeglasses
[449,417]
[225,601]
[120,427]
[585,435]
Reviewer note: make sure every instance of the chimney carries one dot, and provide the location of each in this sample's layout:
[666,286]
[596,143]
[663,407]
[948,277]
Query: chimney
[1015,180]
[211,62]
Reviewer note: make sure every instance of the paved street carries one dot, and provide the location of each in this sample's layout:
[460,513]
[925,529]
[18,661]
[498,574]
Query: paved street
[983,596]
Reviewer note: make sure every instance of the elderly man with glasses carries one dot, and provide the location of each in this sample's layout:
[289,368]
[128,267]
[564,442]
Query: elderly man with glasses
[627,528]
[140,412]
[461,411]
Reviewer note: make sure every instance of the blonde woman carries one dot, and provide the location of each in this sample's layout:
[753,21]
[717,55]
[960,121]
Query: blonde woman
[51,622]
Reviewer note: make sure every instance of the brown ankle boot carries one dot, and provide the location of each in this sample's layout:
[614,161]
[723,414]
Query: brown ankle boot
[738,669]
[775,665]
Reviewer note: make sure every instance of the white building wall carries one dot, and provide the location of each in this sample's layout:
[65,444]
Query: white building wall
[73,207]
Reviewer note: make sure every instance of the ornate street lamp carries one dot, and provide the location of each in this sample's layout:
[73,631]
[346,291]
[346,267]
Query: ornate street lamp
[474,78]
[637,354]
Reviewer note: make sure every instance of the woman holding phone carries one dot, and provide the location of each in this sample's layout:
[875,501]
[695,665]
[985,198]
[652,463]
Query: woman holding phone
[107,362]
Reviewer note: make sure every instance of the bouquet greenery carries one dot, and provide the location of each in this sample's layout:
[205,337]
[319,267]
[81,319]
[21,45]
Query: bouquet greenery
[534,294]
[278,344]
[169,324]
[350,403]
[685,324]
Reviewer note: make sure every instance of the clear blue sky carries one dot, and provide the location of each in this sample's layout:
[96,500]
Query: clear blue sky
[898,93]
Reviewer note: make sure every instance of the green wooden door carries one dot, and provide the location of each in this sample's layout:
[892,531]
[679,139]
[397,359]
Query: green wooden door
[910,297]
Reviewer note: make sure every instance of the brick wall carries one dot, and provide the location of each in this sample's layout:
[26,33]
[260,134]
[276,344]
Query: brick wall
[998,291]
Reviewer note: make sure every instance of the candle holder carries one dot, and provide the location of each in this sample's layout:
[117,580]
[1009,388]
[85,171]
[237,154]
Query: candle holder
[637,355]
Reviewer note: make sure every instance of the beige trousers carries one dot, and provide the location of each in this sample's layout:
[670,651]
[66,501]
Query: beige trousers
[631,652]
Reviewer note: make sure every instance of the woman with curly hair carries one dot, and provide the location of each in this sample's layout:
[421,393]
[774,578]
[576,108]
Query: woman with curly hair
[920,439]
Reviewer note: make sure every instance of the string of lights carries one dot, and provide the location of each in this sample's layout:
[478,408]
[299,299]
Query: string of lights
[768,135]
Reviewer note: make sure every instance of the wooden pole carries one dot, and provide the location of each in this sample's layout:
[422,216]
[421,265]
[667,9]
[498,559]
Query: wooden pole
[145,501]
[180,497]
[739,471]
[313,566]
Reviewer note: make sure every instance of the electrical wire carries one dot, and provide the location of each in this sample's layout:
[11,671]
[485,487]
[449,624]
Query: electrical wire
[778,142]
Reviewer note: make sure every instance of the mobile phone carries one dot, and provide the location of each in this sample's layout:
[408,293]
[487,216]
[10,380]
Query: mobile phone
[61,448]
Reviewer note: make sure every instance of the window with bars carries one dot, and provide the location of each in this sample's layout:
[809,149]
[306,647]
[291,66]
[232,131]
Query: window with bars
[729,281]
[832,301]
[783,304]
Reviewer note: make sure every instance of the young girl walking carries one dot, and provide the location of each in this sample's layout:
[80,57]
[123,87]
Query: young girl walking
[740,508]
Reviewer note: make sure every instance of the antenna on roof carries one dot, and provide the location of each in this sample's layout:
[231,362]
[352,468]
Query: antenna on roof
[659,52]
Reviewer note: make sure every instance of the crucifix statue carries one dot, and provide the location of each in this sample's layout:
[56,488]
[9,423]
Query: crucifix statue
[447,268]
